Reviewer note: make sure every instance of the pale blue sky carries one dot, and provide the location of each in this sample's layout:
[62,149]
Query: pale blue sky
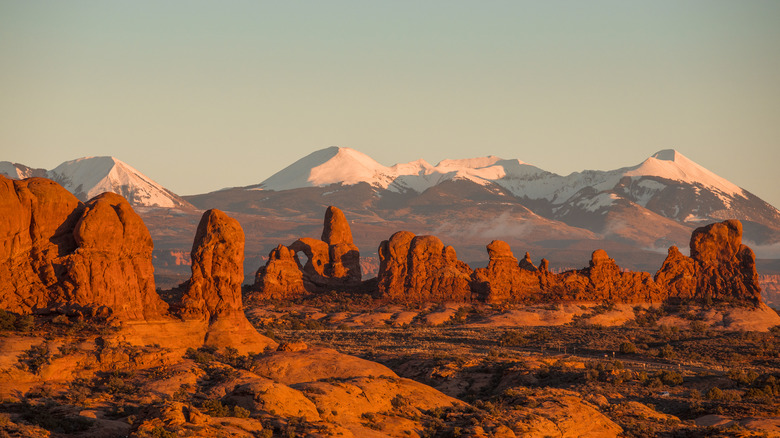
[201,95]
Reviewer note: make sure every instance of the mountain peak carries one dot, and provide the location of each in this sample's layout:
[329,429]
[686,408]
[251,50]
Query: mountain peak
[667,155]
[670,164]
[88,177]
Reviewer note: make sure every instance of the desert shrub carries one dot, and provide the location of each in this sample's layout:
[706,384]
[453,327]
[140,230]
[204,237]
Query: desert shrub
[215,408]
[161,432]
[511,338]
[714,393]
[47,417]
[203,354]
[35,358]
[24,323]
[7,320]
[654,383]
[670,378]
[667,352]
[240,412]
[741,377]
[698,326]
[627,348]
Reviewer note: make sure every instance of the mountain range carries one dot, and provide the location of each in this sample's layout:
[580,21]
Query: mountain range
[90,176]
[634,212]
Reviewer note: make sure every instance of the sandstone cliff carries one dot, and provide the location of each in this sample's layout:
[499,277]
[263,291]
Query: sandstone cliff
[720,269]
[416,269]
[58,251]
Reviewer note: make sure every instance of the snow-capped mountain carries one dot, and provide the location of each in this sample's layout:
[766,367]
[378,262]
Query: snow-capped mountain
[653,204]
[90,176]
[19,171]
[667,183]
[339,165]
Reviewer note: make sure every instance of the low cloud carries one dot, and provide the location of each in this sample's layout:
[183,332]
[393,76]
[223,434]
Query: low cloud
[499,227]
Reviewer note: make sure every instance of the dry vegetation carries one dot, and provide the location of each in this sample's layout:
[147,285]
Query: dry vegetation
[650,379]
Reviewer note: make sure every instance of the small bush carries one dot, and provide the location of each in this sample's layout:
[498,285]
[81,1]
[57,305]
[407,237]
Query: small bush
[627,348]
[35,358]
[670,378]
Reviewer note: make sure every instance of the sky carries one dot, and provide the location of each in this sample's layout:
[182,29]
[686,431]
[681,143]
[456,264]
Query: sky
[202,95]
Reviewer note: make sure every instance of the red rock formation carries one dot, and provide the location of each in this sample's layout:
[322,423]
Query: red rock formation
[112,264]
[281,277]
[58,251]
[217,270]
[504,279]
[331,263]
[394,265]
[214,291]
[608,282]
[420,268]
[726,269]
[317,259]
[37,218]
[677,276]
[343,255]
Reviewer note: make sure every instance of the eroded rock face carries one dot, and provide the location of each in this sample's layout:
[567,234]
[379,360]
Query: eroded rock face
[217,266]
[282,276]
[57,251]
[112,264]
[37,218]
[332,262]
[720,269]
[677,276]
[726,269]
[214,291]
[504,279]
[421,269]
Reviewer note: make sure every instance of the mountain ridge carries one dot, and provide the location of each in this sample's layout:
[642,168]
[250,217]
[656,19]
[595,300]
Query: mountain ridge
[88,177]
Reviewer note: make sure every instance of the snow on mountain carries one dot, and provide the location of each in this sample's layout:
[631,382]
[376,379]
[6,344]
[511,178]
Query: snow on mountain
[90,176]
[338,165]
[19,171]
[672,165]
[667,183]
